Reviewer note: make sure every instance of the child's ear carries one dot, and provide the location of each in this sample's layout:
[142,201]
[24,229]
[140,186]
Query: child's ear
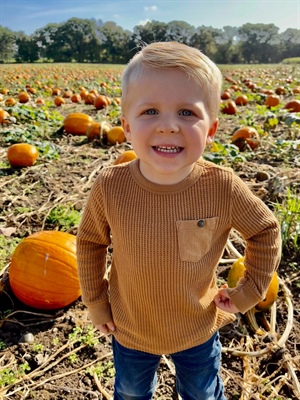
[212,131]
[126,127]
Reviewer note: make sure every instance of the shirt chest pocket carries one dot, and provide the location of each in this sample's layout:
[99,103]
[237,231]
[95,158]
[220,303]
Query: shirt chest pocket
[195,238]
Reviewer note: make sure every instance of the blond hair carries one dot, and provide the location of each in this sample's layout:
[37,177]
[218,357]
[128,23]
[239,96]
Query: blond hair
[174,55]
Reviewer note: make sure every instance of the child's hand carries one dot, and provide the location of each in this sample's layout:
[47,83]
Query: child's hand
[223,301]
[107,328]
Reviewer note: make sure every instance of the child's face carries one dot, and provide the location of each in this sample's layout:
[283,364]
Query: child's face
[167,122]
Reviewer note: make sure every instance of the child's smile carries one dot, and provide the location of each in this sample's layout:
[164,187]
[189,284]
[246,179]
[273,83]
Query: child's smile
[168,124]
[167,149]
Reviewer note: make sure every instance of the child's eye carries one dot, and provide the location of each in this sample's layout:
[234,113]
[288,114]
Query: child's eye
[186,113]
[152,111]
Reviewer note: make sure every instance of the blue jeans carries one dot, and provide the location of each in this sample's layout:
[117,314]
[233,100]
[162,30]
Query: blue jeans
[197,372]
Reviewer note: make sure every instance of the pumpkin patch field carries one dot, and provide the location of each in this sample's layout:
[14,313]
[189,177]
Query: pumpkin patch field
[59,126]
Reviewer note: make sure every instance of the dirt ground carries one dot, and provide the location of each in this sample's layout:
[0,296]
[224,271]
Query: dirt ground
[67,359]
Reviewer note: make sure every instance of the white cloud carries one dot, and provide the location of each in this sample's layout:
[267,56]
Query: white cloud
[151,8]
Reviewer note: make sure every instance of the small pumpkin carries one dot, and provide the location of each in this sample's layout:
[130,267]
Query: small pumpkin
[272,100]
[56,92]
[241,100]
[4,117]
[23,97]
[280,90]
[293,106]
[228,107]
[236,272]
[10,101]
[226,95]
[40,101]
[116,135]
[43,270]
[246,135]
[97,130]
[76,98]
[100,102]
[90,98]
[22,155]
[296,90]
[127,155]
[59,101]
[77,123]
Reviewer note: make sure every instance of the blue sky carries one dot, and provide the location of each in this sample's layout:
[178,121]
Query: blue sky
[29,15]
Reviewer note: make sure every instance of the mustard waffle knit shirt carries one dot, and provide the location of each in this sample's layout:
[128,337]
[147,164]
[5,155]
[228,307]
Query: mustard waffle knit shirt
[167,241]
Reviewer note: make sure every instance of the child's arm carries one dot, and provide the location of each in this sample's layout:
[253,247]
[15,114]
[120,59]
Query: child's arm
[260,230]
[223,301]
[92,241]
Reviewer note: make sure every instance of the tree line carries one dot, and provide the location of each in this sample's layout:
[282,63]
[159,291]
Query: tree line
[95,41]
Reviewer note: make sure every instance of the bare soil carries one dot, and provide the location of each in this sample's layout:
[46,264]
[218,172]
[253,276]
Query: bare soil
[253,366]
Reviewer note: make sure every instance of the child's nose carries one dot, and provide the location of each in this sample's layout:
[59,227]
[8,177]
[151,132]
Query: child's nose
[167,125]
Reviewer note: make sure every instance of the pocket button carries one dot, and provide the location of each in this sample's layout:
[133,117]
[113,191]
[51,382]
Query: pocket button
[201,223]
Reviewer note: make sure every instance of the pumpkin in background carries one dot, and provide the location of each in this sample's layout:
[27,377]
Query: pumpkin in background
[272,100]
[22,155]
[127,155]
[23,97]
[237,271]
[225,95]
[40,101]
[77,123]
[280,90]
[100,102]
[241,100]
[4,116]
[76,98]
[116,135]
[10,101]
[293,106]
[246,135]
[43,270]
[97,130]
[59,101]
[296,90]
[228,107]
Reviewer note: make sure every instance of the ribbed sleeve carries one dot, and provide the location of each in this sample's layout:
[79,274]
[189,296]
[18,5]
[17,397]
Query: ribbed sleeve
[167,241]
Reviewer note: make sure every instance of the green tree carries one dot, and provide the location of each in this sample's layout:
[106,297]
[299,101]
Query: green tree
[179,31]
[7,44]
[114,47]
[289,43]
[45,39]
[204,39]
[28,50]
[227,46]
[153,31]
[258,42]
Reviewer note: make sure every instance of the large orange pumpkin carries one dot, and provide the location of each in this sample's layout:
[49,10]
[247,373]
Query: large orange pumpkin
[43,270]
[77,123]
[22,155]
